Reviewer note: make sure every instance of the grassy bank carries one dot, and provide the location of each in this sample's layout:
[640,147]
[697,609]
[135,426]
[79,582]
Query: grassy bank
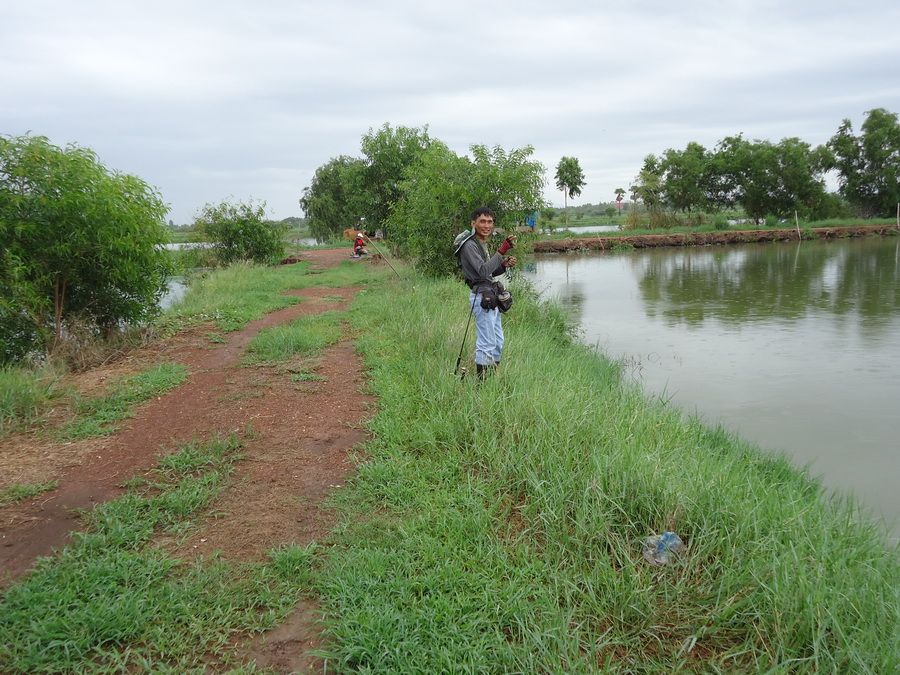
[573,230]
[499,526]
[491,527]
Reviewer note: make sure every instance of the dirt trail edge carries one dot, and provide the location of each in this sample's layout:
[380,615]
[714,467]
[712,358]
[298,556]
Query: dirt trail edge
[297,452]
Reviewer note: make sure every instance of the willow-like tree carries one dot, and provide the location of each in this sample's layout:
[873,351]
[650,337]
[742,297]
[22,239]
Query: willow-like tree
[569,179]
[389,153]
[76,239]
[336,199]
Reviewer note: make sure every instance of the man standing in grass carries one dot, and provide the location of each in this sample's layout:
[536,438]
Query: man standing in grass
[479,268]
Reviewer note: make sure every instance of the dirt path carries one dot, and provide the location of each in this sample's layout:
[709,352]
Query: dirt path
[296,454]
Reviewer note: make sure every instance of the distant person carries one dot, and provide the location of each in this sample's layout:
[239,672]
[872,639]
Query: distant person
[479,269]
[359,246]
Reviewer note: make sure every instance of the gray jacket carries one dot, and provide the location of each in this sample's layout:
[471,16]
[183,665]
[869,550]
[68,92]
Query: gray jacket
[477,268]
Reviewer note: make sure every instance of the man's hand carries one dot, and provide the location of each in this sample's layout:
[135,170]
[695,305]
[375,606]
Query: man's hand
[507,244]
[509,261]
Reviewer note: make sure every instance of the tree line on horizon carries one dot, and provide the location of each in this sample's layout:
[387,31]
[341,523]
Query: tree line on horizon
[80,242]
[413,186]
[781,179]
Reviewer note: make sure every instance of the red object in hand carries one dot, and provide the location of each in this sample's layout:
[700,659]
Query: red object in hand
[505,246]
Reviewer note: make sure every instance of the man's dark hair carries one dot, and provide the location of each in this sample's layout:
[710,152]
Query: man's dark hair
[483,211]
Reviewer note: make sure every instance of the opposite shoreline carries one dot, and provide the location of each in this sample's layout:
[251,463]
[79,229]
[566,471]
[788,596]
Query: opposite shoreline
[712,238]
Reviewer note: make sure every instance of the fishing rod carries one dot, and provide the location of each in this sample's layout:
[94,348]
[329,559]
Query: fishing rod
[383,256]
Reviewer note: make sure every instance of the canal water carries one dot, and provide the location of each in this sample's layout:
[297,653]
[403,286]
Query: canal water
[795,346]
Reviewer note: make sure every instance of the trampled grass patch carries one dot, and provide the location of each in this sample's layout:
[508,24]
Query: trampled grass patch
[498,525]
[100,416]
[21,491]
[304,337]
[111,602]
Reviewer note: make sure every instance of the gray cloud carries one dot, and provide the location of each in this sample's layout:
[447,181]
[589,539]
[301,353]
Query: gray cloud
[209,100]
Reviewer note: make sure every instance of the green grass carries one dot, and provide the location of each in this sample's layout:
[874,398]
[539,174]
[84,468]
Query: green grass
[24,394]
[850,222]
[306,336]
[112,602]
[492,526]
[498,526]
[100,416]
[21,491]
[235,296]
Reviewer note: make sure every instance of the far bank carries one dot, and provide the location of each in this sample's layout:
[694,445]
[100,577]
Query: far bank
[710,238]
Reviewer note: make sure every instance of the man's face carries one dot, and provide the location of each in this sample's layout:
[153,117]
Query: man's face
[483,225]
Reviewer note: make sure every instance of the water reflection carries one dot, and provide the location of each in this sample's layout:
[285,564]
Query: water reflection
[762,282]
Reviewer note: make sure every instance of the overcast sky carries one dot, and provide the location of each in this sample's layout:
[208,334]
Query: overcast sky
[215,100]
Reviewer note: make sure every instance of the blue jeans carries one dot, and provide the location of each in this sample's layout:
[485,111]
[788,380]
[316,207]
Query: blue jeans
[488,333]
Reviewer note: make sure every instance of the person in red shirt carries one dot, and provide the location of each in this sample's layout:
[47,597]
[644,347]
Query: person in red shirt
[359,246]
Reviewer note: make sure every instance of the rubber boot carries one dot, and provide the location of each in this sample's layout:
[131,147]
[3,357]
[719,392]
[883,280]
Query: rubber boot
[481,371]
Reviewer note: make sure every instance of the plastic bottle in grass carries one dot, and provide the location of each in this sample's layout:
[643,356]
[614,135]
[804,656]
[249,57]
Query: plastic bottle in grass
[660,549]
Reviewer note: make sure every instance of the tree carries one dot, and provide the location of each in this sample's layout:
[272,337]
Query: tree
[869,165]
[765,178]
[801,183]
[442,189]
[241,232]
[684,177]
[388,154]
[648,184]
[749,174]
[337,198]
[77,240]
[569,179]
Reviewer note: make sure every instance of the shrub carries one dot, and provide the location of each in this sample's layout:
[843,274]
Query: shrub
[241,232]
[77,240]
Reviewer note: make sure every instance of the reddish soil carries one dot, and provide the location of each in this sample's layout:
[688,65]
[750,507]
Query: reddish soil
[702,238]
[298,439]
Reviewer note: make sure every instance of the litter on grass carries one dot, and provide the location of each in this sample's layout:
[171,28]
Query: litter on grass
[660,549]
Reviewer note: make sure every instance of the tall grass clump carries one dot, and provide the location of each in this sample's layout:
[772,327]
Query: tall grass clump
[113,602]
[498,525]
[24,393]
